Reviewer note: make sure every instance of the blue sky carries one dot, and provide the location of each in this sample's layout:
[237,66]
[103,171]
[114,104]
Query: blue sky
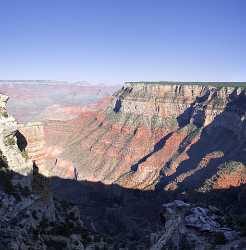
[118,40]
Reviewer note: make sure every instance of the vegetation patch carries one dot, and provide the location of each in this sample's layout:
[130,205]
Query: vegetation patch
[232,166]
[9,141]
[135,120]
[24,154]
[4,114]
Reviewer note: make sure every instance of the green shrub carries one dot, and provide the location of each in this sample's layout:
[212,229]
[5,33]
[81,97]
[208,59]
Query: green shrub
[4,114]
[24,154]
[231,166]
[9,141]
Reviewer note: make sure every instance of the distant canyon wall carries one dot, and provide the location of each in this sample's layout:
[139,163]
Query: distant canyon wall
[151,136]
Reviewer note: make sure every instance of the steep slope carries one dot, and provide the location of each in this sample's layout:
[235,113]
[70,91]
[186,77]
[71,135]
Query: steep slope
[33,141]
[160,135]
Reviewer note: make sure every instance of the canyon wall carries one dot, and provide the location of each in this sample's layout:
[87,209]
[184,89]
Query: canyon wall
[32,134]
[11,154]
[159,135]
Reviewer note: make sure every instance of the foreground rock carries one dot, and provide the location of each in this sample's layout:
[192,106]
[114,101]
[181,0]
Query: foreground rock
[191,227]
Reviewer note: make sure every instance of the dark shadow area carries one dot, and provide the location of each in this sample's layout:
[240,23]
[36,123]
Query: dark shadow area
[198,119]
[127,215]
[117,105]
[21,140]
[130,216]
[216,137]
[184,118]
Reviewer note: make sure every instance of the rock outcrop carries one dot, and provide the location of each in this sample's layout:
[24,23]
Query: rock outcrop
[8,141]
[159,135]
[191,227]
[34,142]
[30,218]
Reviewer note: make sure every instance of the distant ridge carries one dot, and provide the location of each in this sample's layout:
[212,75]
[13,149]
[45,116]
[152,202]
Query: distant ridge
[32,81]
[46,82]
[216,84]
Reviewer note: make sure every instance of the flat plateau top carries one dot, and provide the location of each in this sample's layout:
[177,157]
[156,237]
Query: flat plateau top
[216,84]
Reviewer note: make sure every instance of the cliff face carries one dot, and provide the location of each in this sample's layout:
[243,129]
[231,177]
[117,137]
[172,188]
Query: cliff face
[34,142]
[161,136]
[9,142]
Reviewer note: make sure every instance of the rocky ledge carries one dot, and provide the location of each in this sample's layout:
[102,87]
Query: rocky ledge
[192,227]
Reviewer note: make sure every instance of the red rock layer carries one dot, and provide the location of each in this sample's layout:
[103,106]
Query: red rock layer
[170,136]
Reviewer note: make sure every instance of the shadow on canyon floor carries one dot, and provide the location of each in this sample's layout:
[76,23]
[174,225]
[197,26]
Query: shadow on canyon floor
[131,215]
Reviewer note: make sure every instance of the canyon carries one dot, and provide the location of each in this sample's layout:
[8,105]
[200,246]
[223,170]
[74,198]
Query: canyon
[158,165]
[171,136]
[40,100]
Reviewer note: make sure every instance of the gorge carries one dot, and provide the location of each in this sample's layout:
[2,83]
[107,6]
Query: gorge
[157,136]
[178,143]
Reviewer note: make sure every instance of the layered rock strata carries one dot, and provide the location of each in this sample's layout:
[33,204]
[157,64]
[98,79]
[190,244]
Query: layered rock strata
[33,138]
[159,135]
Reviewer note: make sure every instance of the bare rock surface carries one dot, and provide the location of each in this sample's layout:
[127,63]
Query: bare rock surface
[172,136]
[191,227]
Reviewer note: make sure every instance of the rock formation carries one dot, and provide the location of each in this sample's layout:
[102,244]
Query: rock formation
[159,135]
[191,227]
[34,141]
[8,141]
[151,136]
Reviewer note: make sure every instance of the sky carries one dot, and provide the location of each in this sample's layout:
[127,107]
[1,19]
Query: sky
[123,40]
